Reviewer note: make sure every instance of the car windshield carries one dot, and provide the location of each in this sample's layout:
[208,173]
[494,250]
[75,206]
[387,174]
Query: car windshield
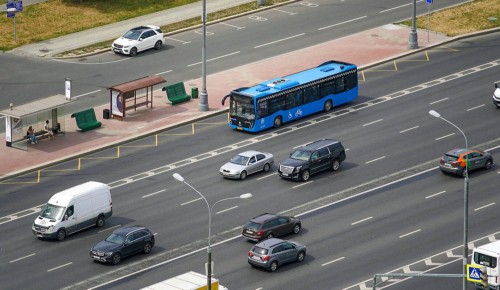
[115,239]
[132,34]
[301,155]
[52,211]
[252,226]
[259,250]
[240,160]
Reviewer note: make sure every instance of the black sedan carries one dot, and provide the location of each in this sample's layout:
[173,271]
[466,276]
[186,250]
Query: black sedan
[122,243]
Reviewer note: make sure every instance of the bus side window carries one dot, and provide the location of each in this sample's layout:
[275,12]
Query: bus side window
[293,99]
[327,88]
[262,109]
[311,94]
[351,80]
[339,85]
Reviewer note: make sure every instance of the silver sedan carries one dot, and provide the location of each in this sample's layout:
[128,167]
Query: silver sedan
[247,163]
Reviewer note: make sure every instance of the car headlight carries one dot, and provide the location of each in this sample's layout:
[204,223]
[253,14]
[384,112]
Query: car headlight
[50,229]
[108,253]
[126,46]
[297,169]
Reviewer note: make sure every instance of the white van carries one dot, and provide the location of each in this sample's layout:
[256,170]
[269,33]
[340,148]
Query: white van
[496,95]
[74,209]
[488,255]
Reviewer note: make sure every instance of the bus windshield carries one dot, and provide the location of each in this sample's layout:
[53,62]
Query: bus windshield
[242,106]
[52,212]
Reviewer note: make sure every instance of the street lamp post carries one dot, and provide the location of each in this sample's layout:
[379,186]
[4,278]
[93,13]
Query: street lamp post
[178,177]
[412,41]
[203,104]
[466,198]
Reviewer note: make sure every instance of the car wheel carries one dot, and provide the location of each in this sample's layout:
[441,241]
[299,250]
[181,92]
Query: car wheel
[116,259]
[296,229]
[301,256]
[327,106]
[270,236]
[274,266]
[488,164]
[147,248]
[100,221]
[61,235]
[305,175]
[243,175]
[267,166]
[133,51]
[335,165]
[158,45]
[277,122]
[464,172]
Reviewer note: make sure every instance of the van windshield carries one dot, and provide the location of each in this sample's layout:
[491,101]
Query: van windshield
[52,212]
[485,260]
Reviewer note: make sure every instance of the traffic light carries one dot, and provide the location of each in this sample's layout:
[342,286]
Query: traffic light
[484,277]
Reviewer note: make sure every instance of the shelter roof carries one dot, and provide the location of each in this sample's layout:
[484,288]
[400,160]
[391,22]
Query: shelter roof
[37,106]
[138,84]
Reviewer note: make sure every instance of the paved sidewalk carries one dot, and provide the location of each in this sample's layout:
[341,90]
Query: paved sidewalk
[84,38]
[365,48]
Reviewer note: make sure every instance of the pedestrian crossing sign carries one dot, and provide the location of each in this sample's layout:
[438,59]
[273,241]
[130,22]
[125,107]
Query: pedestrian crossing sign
[474,273]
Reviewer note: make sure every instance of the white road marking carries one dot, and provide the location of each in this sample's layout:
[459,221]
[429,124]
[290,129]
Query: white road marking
[376,159]
[336,260]
[27,256]
[406,130]
[290,13]
[302,184]
[309,4]
[237,27]
[148,195]
[360,221]
[410,233]
[266,176]
[188,202]
[445,136]
[110,228]
[207,33]
[257,18]
[228,209]
[484,206]
[342,23]
[367,124]
[279,40]
[50,270]
[208,60]
[183,42]
[163,72]
[435,194]
[473,108]
[438,101]
[76,97]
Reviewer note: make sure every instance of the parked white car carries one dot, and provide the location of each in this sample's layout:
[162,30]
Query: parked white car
[138,39]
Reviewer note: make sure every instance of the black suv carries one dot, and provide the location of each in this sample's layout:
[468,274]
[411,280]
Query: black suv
[268,225]
[312,158]
[123,242]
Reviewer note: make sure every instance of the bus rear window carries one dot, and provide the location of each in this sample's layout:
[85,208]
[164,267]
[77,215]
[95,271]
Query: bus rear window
[485,260]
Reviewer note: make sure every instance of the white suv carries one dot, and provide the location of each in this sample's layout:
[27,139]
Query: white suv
[139,39]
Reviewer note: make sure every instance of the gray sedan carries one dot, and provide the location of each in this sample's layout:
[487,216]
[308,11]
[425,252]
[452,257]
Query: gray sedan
[247,163]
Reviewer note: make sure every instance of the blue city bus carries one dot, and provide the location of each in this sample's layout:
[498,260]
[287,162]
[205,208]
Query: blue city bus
[281,100]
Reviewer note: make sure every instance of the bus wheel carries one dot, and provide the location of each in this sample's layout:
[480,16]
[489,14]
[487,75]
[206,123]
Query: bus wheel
[277,122]
[328,106]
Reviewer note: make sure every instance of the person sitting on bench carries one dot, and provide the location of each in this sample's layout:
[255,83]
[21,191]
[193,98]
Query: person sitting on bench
[31,135]
[47,129]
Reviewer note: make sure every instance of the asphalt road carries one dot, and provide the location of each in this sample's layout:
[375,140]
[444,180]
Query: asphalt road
[382,139]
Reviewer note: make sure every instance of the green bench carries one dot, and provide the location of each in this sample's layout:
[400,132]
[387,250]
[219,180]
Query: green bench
[86,120]
[176,93]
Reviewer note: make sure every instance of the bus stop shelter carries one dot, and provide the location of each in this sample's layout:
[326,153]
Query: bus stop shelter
[19,118]
[133,94]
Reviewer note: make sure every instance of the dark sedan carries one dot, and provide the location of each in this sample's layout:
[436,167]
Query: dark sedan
[123,242]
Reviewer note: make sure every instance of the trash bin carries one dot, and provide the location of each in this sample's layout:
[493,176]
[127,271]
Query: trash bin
[105,114]
[194,93]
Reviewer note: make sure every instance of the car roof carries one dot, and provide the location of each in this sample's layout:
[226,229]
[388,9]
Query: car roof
[128,229]
[263,217]
[269,243]
[250,153]
[318,144]
[146,27]
[458,151]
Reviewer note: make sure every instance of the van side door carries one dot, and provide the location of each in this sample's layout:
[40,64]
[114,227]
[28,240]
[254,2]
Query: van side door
[70,222]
